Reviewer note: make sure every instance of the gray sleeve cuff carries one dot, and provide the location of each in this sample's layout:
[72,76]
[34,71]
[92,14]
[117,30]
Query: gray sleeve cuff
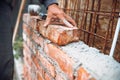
[49,2]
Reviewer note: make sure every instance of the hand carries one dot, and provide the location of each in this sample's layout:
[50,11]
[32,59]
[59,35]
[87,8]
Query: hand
[56,12]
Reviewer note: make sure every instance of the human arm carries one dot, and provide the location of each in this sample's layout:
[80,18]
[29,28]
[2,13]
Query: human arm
[54,11]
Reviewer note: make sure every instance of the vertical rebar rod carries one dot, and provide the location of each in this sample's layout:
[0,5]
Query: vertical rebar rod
[93,25]
[65,5]
[107,33]
[78,14]
[75,5]
[97,21]
[85,18]
[113,10]
[90,24]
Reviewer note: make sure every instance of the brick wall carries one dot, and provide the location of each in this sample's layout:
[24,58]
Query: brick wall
[44,59]
[55,53]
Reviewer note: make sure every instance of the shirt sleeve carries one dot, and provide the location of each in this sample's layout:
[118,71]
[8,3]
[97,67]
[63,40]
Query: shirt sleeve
[48,2]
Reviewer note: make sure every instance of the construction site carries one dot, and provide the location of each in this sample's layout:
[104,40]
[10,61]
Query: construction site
[57,52]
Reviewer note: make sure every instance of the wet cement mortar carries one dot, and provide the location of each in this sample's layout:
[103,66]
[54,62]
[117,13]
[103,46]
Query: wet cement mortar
[100,66]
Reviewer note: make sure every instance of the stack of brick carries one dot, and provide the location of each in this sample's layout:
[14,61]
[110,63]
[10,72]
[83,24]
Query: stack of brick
[43,57]
[50,55]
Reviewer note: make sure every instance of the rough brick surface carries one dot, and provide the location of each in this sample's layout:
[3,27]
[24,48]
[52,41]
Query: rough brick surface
[46,60]
[38,67]
[58,34]
[64,61]
[82,74]
[47,65]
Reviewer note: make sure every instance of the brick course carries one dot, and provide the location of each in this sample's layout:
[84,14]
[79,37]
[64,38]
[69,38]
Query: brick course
[43,57]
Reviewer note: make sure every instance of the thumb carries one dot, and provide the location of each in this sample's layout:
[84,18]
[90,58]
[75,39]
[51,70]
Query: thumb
[47,21]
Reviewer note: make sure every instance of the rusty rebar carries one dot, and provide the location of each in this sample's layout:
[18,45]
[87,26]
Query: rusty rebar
[84,19]
[88,18]
[97,21]
[113,13]
[102,13]
[107,33]
[91,17]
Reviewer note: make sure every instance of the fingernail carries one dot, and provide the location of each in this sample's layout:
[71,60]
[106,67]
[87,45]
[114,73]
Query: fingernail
[75,27]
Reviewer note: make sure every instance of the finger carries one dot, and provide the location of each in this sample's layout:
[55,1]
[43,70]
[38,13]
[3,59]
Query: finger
[47,21]
[55,19]
[62,17]
[70,20]
[67,23]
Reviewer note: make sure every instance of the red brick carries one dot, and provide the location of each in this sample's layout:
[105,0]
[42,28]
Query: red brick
[64,61]
[25,71]
[26,62]
[26,51]
[40,69]
[33,23]
[42,29]
[47,77]
[61,34]
[82,74]
[31,46]
[27,59]
[58,34]
[31,68]
[39,77]
[28,42]
[27,30]
[38,39]
[58,77]
[47,64]
[27,75]
[36,63]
